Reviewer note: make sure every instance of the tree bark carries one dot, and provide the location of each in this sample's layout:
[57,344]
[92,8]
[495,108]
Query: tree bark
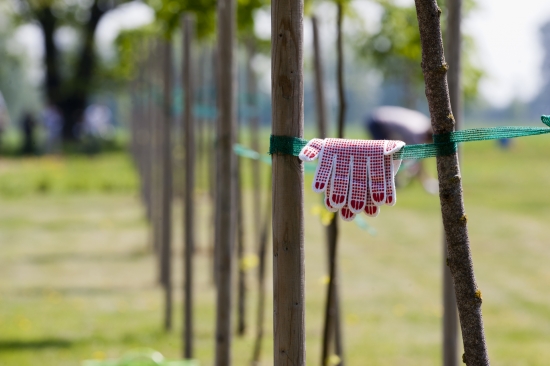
[225,182]
[454,42]
[166,185]
[333,323]
[287,89]
[188,26]
[468,295]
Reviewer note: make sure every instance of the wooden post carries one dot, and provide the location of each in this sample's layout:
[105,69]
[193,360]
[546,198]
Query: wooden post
[225,180]
[288,184]
[468,295]
[333,324]
[188,26]
[454,41]
[166,186]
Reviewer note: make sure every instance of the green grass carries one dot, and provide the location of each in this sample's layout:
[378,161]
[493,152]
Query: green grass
[77,279]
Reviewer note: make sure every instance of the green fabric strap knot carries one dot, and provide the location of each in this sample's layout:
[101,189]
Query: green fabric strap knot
[286,145]
[444,144]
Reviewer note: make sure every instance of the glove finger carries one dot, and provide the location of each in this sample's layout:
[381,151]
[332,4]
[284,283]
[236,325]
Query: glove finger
[340,181]
[324,170]
[370,208]
[327,199]
[346,214]
[392,146]
[390,182]
[359,182]
[312,150]
[377,177]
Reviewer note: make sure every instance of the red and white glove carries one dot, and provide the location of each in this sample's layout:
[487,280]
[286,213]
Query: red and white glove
[356,175]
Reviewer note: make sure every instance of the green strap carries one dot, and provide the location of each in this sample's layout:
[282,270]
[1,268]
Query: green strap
[444,144]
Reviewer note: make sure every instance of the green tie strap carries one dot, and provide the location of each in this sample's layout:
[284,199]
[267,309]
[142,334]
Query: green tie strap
[444,144]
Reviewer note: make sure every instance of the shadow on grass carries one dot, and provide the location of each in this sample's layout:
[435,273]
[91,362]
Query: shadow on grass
[80,291]
[36,344]
[89,257]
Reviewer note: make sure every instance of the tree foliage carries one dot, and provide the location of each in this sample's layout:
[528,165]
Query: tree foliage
[394,49]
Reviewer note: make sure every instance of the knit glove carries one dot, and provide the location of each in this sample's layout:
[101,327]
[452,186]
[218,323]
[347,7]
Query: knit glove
[356,175]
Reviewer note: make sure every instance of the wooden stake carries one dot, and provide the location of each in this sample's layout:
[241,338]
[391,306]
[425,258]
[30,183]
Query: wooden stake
[468,295]
[225,182]
[188,26]
[288,183]
[454,41]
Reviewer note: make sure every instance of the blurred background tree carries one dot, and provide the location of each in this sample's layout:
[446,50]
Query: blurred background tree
[69,76]
[20,94]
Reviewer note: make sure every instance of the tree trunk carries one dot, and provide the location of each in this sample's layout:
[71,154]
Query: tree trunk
[319,82]
[241,279]
[225,182]
[212,155]
[254,138]
[332,310]
[188,26]
[468,295]
[288,188]
[262,255]
[166,185]
[71,94]
[454,41]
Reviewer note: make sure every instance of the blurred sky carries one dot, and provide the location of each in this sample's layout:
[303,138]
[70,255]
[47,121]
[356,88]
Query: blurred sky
[506,32]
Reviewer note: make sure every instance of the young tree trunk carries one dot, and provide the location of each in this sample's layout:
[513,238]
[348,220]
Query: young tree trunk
[254,137]
[213,169]
[332,310]
[288,188]
[225,182]
[144,133]
[262,255]
[319,81]
[468,295]
[241,278]
[188,26]
[156,147]
[454,41]
[152,71]
[166,185]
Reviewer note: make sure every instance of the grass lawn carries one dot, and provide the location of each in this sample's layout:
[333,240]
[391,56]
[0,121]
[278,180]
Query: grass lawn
[78,280]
